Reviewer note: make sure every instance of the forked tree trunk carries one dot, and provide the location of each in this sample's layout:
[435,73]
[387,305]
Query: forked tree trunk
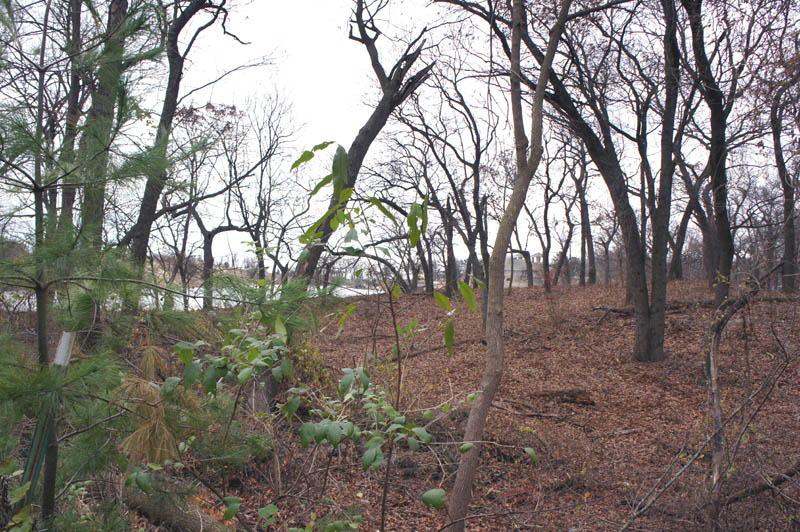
[788,280]
[526,166]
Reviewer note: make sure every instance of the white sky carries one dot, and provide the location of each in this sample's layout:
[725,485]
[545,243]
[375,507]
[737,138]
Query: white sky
[325,76]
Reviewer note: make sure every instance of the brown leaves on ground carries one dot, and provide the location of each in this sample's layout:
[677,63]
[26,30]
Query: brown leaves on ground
[607,432]
[604,428]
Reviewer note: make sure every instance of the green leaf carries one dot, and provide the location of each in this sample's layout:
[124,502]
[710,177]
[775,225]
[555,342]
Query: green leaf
[232,509]
[351,235]
[413,444]
[449,336]
[143,481]
[304,158]
[291,406]
[185,356]
[469,296]
[531,453]
[185,350]
[169,386]
[339,170]
[379,204]
[280,329]
[334,434]
[267,512]
[373,457]
[324,181]
[347,382]
[465,448]
[345,194]
[350,309]
[18,493]
[363,376]
[434,498]
[428,415]
[321,146]
[321,430]
[471,397]
[306,434]
[286,368]
[414,214]
[245,374]
[23,520]
[422,434]
[442,300]
[210,380]
[397,291]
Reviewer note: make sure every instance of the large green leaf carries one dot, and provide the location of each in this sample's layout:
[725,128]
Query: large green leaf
[442,300]
[379,204]
[304,158]
[306,434]
[339,170]
[469,296]
[232,509]
[435,498]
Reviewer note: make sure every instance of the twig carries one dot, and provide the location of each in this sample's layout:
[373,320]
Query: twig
[543,415]
[93,425]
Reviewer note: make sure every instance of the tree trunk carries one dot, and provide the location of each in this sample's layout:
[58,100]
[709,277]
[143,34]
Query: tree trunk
[548,280]
[676,262]
[208,271]
[526,256]
[715,101]
[789,273]
[140,233]
[562,257]
[166,504]
[99,126]
[395,89]
[67,156]
[426,265]
[451,272]
[526,166]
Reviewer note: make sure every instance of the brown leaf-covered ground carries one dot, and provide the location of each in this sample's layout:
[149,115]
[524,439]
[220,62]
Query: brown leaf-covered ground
[607,431]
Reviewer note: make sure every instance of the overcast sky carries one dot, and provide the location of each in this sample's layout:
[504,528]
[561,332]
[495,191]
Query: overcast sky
[324,75]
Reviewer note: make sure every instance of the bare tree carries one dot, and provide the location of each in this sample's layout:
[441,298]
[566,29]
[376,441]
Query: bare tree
[396,85]
[181,14]
[528,154]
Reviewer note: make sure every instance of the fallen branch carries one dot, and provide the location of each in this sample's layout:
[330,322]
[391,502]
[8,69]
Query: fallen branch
[430,350]
[766,484]
[164,504]
[542,415]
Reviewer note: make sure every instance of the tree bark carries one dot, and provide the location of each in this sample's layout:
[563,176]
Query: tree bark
[526,166]
[67,156]
[714,99]
[789,273]
[99,126]
[166,505]
[139,235]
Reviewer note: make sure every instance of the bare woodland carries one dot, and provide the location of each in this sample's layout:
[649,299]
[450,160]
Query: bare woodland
[551,282]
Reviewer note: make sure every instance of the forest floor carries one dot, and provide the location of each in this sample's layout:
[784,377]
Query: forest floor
[608,432]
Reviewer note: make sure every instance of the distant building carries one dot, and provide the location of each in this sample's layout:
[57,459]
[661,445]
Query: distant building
[520,271]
